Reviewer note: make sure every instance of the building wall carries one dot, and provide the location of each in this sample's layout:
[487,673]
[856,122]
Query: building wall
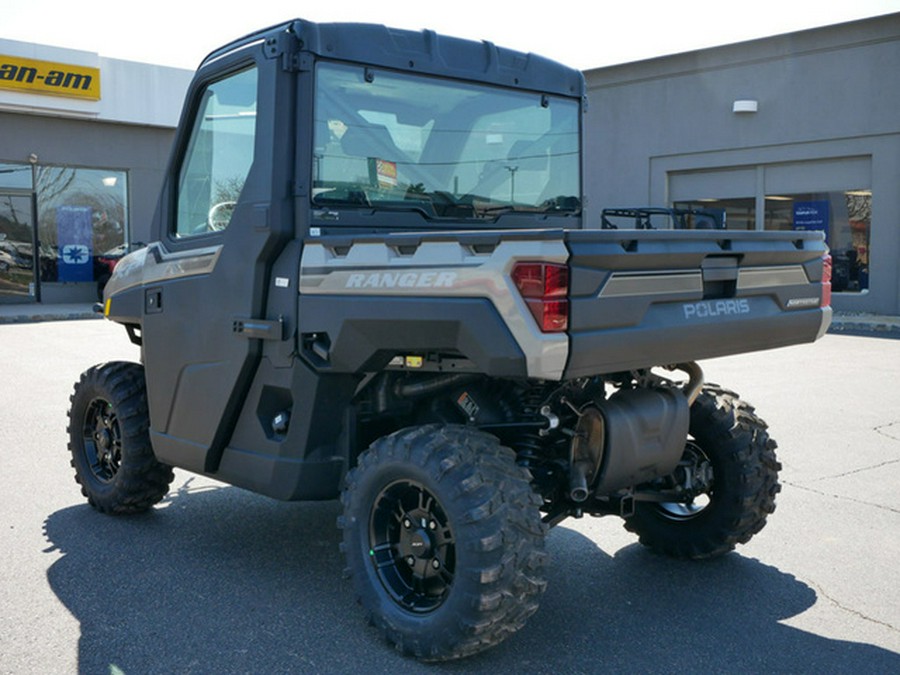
[141,151]
[124,127]
[664,130]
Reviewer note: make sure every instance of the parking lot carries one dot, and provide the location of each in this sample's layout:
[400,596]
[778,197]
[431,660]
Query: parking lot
[220,580]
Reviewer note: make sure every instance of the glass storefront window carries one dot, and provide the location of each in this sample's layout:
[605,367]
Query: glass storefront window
[82,222]
[844,216]
[16,248]
[740,213]
[15,176]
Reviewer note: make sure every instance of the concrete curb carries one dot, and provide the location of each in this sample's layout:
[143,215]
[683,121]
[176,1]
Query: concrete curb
[875,324]
[33,313]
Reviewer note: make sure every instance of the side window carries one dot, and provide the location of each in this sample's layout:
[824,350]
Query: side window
[219,155]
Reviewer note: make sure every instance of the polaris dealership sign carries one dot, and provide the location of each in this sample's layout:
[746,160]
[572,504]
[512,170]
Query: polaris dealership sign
[47,77]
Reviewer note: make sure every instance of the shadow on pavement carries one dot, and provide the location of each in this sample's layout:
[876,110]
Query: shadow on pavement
[218,580]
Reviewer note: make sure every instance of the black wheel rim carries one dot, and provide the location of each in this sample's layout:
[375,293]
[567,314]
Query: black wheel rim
[694,475]
[102,440]
[411,546]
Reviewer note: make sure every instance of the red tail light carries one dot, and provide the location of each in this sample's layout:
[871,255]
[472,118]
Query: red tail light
[545,289]
[826,281]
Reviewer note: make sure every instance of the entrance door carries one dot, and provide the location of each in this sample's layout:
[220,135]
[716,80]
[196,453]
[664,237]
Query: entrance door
[17,280]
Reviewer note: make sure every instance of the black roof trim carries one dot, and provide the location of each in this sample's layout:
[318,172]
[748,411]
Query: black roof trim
[423,52]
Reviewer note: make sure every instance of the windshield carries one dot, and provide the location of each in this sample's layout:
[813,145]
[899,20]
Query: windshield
[444,148]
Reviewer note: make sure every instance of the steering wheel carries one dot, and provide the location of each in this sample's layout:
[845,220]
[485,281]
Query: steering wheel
[219,216]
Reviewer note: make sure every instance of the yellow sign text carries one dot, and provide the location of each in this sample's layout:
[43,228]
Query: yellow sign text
[46,77]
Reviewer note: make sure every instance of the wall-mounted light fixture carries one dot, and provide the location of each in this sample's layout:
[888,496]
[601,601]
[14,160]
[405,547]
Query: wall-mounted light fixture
[745,106]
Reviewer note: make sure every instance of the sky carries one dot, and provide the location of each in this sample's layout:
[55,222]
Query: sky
[581,33]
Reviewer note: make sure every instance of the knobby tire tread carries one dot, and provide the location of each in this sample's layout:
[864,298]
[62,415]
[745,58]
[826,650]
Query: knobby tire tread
[141,481]
[502,567]
[746,483]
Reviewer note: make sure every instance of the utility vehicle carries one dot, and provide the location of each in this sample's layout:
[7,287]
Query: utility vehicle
[373,278]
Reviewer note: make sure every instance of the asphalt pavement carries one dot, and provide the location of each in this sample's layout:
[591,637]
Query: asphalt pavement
[218,580]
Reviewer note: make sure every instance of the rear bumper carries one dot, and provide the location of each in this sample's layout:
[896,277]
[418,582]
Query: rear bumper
[664,337]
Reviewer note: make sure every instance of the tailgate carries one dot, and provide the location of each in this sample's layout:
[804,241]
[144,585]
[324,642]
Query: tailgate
[639,299]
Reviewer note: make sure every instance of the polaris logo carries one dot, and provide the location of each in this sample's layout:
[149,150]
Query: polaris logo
[76,254]
[713,308]
[402,280]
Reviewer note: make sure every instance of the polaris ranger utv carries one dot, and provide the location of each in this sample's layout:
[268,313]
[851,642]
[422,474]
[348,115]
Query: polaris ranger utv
[372,278]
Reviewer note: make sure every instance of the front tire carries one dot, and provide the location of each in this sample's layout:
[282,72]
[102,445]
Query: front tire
[110,443]
[731,472]
[443,540]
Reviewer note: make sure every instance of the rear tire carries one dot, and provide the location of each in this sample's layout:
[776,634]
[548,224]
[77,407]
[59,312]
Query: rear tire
[731,454]
[110,443]
[443,540]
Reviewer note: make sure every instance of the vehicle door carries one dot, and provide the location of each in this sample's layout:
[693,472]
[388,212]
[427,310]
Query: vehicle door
[224,216]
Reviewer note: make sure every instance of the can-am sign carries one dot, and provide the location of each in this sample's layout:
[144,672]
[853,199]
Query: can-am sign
[47,77]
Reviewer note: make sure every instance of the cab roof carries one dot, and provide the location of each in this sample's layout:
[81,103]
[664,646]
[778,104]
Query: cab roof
[417,51]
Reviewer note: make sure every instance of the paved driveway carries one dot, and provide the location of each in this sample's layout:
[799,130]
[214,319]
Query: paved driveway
[220,580]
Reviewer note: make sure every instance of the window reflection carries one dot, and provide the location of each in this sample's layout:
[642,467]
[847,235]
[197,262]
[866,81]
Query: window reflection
[15,176]
[16,248]
[441,148]
[843,216]
[219,155]
[81,222]
[740,213]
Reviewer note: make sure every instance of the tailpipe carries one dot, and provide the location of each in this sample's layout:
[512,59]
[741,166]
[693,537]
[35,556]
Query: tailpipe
[694,385]
[578,482]
[586,453]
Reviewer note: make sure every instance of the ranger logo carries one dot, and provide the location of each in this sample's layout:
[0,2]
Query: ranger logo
[402,280]
[712,308]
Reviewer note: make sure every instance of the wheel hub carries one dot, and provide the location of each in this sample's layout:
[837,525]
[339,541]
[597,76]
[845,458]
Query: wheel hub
[104,441]
[416,542]
[411,546]
[101,440]
[694,483]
